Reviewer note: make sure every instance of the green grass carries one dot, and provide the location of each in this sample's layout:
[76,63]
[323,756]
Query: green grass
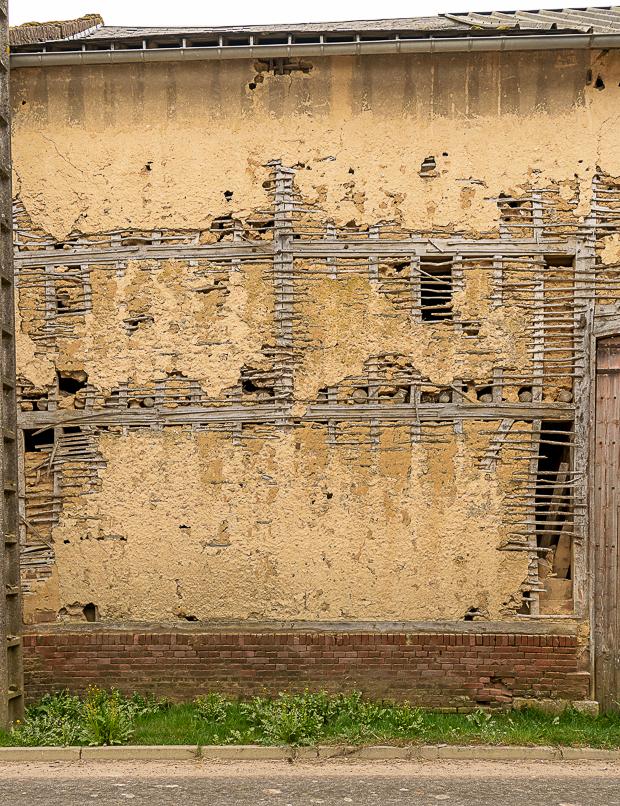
[102,717]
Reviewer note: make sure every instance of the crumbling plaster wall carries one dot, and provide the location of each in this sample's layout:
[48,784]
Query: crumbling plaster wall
[288,526]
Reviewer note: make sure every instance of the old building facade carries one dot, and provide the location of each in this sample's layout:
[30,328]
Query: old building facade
[307,333]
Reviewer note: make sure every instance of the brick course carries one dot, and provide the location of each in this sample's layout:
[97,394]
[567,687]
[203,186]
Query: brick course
[433,669]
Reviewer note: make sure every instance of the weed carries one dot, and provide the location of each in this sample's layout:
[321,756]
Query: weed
[289,719]
[108,717]
[212,707]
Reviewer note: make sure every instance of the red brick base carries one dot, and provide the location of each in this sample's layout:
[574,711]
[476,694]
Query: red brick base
[427,668]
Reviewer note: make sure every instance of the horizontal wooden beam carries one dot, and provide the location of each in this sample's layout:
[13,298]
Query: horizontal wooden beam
[607,320]
[431,247]
[84,255]
[319,248]
[550,626]
[442,411]
[280,413]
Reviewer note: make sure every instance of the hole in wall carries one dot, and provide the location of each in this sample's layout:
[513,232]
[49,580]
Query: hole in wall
[471,329]
[599,84]
[91,612]
[261,225]
[525,394]
[526,604]
[282,66]
[322,395]
[222,222]
[484,394]
[249,388]
[553,503]
[436,290]
[71,429]
[63,301]
[429,164]
[228,194]
[71,382]
[35,439]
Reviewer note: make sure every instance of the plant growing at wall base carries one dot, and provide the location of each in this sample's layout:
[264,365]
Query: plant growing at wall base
[107,718]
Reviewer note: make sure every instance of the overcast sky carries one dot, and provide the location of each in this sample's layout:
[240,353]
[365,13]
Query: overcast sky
[210,12]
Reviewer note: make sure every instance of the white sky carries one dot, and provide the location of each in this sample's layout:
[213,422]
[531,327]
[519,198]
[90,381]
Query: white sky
[250,12]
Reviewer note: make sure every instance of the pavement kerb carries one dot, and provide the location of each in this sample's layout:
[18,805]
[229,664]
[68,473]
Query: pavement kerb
[33,754]
[137,752]
[246,752]
[316,753]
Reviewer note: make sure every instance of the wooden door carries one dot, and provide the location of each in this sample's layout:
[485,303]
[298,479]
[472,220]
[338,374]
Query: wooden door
[605,524]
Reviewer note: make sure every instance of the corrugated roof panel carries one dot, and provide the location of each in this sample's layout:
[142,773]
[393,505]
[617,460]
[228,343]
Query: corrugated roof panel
[594,19]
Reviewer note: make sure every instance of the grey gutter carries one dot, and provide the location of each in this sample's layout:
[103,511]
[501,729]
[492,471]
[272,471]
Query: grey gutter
[395,45]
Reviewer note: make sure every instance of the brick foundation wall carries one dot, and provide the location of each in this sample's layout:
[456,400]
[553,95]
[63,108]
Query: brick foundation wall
[433,669]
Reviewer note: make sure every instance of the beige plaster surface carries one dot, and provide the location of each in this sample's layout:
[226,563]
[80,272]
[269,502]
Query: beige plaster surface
[291,527]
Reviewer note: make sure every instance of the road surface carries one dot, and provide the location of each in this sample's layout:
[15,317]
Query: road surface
[327,783]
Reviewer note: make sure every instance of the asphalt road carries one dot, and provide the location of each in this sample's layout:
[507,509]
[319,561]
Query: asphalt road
[377,784]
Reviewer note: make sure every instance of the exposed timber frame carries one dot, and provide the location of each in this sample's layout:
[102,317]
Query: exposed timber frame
[540,264]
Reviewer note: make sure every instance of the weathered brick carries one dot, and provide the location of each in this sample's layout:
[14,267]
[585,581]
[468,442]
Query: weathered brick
[432,669]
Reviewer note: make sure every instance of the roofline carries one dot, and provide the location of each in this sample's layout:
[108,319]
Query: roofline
[392,45]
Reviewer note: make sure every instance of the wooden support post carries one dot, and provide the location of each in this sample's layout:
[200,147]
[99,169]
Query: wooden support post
[585,409]
[373,263]
[497,292]
[283,264]
[415,282]
[11,663]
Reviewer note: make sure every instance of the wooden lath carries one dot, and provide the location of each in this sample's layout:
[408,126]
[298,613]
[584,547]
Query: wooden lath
[535,266]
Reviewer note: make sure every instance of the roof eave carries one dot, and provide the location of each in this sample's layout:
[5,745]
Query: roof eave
[428,44]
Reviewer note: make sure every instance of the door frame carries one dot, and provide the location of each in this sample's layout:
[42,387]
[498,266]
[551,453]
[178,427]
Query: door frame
[605,324]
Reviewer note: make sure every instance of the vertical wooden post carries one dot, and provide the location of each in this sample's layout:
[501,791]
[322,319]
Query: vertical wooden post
[11,670]
[584,400]
[283,267]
